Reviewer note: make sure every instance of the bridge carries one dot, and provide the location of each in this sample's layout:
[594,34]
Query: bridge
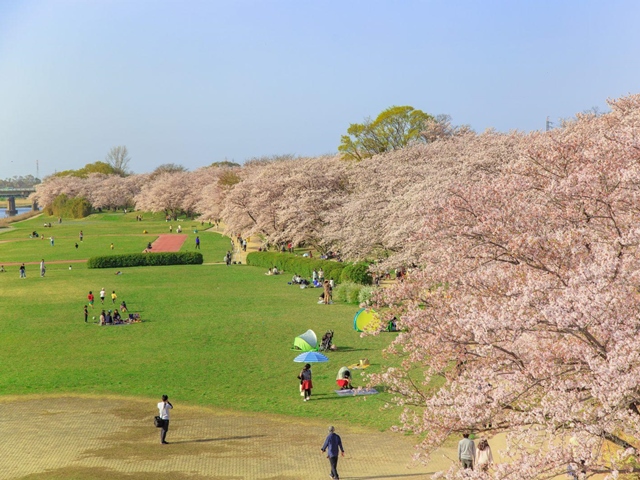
[11,193]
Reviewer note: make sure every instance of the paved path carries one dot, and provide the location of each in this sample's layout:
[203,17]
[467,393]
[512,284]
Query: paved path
[113,438]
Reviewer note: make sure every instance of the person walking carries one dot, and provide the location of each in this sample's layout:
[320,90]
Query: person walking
[42,268]
[81,235]
[305,382]
[114,297]
[197,243]
[466,451]
[90,298]
[23,271]
[331,445]
[52,241]
[163,407]
[102,295]
[86,314]
[484,458]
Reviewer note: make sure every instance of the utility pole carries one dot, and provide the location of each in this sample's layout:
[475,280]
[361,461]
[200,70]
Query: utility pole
[548,124]
[38,169]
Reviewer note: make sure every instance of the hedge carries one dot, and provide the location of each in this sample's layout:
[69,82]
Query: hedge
[145,259]
[340,272]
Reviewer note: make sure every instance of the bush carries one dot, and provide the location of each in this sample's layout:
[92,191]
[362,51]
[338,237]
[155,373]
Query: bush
[63,206]
[357,273]
[347,292]
[145,259]
[365,294]
[340,293]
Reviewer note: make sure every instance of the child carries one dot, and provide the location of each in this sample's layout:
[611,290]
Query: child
[113,297]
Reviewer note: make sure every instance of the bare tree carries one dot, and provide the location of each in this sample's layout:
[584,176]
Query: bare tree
[118,158]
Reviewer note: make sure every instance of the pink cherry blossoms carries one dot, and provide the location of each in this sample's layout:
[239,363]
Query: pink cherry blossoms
[527,305]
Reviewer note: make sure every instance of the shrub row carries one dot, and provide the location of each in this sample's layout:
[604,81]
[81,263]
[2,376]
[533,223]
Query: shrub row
[145,259]
[286,262]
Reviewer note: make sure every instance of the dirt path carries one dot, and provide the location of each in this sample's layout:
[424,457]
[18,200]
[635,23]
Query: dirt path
[169,243]
[113,438]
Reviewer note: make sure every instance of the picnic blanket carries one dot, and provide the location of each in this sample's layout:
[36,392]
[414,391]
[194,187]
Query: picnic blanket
[356,391]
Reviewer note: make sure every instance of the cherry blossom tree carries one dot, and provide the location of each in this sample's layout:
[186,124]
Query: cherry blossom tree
[53,186]
[286,200]
[112,192]
[165,193]
[525,307]
[385,208]
[220,180]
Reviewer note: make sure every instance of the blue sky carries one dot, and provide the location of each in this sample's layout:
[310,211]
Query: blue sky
[194,82]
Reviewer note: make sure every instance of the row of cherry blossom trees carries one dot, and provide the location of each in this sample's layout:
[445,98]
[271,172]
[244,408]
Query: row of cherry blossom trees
[522,299]
[526,304]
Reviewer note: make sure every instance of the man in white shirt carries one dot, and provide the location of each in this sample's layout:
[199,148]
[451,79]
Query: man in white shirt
[164,406]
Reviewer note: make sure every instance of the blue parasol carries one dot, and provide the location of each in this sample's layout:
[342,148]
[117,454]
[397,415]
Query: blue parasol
[311,357]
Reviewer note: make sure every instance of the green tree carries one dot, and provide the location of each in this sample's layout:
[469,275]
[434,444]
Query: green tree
[393,129]
[96,167]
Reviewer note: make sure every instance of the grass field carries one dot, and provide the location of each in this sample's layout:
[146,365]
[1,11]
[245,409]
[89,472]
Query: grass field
[100,231]
[212,335]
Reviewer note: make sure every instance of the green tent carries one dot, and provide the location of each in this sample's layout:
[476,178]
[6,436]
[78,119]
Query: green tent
[307,342]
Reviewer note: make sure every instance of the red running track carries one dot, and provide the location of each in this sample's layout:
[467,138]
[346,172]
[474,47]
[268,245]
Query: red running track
[168,243]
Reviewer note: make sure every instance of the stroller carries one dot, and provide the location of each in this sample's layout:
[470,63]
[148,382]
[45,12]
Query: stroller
[327,338]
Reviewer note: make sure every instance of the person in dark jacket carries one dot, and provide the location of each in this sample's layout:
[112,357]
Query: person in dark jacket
[332,444]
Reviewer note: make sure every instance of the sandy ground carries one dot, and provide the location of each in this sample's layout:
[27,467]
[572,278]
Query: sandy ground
[80,437]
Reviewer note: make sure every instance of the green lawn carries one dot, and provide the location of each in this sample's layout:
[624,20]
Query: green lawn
[100,231]
[212,335]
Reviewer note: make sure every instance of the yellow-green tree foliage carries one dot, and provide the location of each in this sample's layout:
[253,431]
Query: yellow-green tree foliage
[96,167]
[393,129]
